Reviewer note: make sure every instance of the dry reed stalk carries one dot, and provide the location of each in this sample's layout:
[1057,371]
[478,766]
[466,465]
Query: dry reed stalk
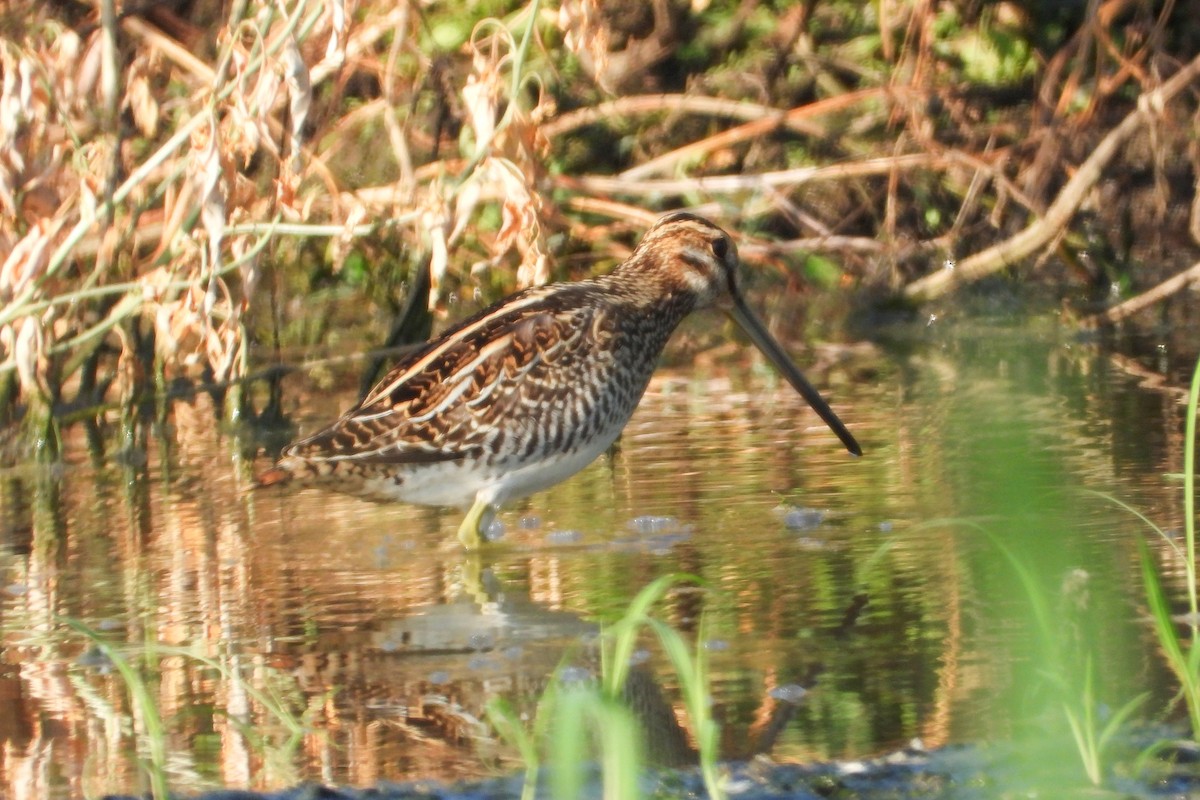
[189,273]
[79,255]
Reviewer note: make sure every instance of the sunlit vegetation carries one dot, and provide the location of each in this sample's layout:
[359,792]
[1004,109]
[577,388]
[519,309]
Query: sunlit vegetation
[178,183]
[1179,634]
[592,719]
[193,194]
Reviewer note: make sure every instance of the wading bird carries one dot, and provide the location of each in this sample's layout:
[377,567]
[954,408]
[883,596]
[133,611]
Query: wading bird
[531,390]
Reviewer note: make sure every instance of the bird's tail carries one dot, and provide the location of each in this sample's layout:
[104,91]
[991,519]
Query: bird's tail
[275,476]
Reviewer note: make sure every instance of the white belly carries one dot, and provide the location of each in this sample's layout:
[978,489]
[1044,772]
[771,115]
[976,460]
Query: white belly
[461,483]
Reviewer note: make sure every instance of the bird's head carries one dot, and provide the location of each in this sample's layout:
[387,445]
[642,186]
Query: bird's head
[686,258]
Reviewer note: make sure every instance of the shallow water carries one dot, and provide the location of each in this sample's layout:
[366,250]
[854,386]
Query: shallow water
[288,636]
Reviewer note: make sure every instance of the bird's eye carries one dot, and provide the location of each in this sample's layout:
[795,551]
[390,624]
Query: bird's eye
[720,248]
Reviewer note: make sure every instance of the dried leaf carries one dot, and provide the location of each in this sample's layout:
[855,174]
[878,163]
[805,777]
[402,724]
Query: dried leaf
[246,132]
[469,195]
[299,98]
[586,35]
[240,247]
[29,355]
[87,73]
[480,101]
[482,92]
[335,50]
[510,226]
[342,245]
[521,226]
[212,199]
[29,257]
[435,223]
[535,269]
[140,100]
[8,199]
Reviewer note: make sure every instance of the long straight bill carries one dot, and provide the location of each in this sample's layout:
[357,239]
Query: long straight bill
[757,332]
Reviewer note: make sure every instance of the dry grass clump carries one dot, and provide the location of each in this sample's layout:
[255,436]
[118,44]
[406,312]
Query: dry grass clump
[142,178]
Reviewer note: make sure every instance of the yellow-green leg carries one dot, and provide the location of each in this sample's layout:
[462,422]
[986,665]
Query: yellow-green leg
[469,531]
[472,580]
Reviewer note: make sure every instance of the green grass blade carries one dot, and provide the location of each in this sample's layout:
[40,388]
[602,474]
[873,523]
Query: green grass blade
[1168,639]
[621,748]
[1189,497]
[569,744]
[583,714]
[1149,523]
[697,696]
[624,633]
[508,726]
[154,732]
[1119,718]
[1087,754]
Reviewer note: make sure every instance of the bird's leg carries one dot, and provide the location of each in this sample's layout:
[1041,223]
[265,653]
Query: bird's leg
[476,580]
[471,529]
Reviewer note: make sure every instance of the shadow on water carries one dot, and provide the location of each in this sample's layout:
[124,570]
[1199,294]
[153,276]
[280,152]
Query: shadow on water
[853,605]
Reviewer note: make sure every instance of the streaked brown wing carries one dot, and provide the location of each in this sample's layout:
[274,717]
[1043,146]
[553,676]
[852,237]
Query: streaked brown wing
[442,401]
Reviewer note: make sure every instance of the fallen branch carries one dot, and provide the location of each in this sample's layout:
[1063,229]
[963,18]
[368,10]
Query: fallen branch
[727,184]
[797,119]
[830,243]
[670,103]
[1133,305]
[612,209]
[1064,206]
[155,39]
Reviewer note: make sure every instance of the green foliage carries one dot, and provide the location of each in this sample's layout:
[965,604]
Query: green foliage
[152,732]
[583,716]
[989,51]
[1064,663]
[1093,737]
[578,718]
[137,668]
[449,33]
[1183,655]
[822,271]
[1183,658]
[509,726]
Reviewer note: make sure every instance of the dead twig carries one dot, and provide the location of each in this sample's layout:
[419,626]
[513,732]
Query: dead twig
[832,243]
[611,209]
[797,119]
[1155,294]
[153,38]
[670,103]
[726,184]
[1059,214]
